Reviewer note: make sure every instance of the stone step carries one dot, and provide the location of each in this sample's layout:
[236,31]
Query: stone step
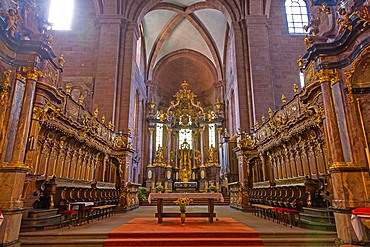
[312,225]
[317,218]
[40,213]
[318,211]
[303,242]
[184,242]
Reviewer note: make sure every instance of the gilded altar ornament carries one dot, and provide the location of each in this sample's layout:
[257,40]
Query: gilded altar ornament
[300,63]
[308,41]
[96,112]
[103,119]
[5,87]
[363,13]
[256,125]
[283,99]
[119,141]
[295,88]
[81,99]
[271,113]
[61,60]
[110,125]
[159,155]
[263,119]
[151,105]
[68,88]
[324,9]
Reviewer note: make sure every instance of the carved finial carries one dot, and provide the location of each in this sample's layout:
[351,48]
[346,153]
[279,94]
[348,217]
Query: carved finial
[256,125]
[61,60]
[271,113]
[152,104]
[300,63]
[185,85]
[81,99]
[308,41]
[68,88]
[283,99]
[295,88]
[263,118]
[103,119]
[324,8]
[110,125]
[96,112]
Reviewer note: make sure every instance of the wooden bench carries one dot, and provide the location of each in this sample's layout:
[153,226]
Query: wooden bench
[104,210]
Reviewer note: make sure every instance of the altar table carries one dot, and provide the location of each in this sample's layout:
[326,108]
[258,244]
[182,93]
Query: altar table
[174,196]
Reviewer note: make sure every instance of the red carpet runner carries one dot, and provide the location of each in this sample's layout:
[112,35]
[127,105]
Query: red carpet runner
[195,232]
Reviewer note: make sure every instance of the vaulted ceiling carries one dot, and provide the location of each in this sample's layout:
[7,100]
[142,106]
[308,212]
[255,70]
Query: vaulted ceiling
[184,40]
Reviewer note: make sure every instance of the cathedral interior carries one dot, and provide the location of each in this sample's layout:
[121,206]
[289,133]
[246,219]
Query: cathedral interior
[263,102]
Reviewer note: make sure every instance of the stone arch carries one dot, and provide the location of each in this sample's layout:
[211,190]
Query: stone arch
[188,65]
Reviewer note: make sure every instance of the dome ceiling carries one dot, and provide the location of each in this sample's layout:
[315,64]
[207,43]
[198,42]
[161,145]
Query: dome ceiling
[173,26]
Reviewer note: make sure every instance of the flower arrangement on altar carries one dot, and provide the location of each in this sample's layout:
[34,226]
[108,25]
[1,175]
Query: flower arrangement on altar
[182,202]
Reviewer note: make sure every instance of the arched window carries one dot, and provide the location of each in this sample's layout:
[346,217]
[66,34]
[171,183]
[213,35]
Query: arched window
[297,16]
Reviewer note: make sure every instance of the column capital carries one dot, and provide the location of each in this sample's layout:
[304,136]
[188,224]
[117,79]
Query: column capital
[327,75]
[29,73]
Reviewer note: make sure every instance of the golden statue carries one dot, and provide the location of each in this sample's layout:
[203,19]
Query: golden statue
[211,155]
[185,161]
[159,155]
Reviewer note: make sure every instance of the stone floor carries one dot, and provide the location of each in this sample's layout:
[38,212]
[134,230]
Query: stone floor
[272,233]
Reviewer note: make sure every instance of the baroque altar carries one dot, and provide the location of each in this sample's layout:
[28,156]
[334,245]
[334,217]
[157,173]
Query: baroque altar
[184,143]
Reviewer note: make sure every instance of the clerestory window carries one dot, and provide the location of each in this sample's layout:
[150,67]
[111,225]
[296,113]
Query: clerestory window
[297,16]
[61,14]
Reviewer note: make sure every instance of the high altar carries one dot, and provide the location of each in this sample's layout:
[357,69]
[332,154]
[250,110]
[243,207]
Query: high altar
[188,156]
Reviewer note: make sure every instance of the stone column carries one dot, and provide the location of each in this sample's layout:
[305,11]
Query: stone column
[201,132]
[151,133]
[348,180]
[325,79]
[169,135]
[25,117]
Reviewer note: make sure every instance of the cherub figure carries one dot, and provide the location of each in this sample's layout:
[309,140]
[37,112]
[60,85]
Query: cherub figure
[11,18]
[343,20]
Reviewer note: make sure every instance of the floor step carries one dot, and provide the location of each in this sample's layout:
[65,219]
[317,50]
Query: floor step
[299,242]
[185,242]
[179,235]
